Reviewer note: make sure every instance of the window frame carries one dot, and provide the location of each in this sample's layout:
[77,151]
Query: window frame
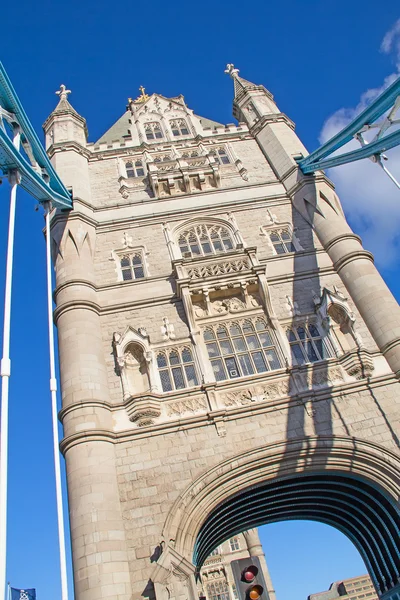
[234,543]
[308,345]
[219,153]
[134,168]
[179,127]
[232,356]
[218,594]
[284,243]
[172,369]
[200,236]
[130,251]
[154,125]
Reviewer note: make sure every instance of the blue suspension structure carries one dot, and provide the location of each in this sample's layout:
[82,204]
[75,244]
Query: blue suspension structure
[24,161]
[388,102]
[36,173]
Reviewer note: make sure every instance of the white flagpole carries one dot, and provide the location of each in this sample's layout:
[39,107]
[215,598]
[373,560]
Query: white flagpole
[5,370]
[53,390]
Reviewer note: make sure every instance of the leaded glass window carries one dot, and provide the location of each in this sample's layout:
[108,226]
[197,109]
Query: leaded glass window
[282,241]
[241,348]
[218,590]
[134,169]
[177,369]
[179,127]
[153,131]
[132,266]
[221,156]
[202,240]
[307,344]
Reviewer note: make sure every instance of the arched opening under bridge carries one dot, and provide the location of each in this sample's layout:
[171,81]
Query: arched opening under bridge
[359,508]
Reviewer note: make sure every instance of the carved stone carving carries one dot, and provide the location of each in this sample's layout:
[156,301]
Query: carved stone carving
[190,405]
[222,268]
[232,305]
[143,411]
[260,393]
[358,364]
[313,378]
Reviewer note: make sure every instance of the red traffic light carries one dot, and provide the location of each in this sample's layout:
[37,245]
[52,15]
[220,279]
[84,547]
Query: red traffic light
[249,573]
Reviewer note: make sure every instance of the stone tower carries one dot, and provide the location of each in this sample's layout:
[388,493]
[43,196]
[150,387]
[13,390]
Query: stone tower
[221,330]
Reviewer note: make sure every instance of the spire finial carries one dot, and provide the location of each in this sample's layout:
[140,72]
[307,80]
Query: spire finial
[63,92]
[230,70]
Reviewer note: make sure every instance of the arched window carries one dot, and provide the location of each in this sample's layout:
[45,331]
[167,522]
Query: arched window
[153,131]
[132,266]
[202,240]
[282,241]
[218,590]
[179,127]
[221,156]
[241,348]
[176,368]
[307,344]
[134,169]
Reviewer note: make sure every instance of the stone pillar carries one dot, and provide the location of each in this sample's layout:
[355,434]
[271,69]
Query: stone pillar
[99,550]
[255,549]
[355,265]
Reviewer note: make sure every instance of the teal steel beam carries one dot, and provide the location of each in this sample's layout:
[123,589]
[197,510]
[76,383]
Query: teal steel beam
[366,120]
[39,178]
[380,145]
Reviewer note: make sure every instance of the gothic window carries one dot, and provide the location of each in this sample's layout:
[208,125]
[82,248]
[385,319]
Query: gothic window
[134,169]
[307,344]
[218,590]
[153,131]
[282,241]
[215,552]
[132,266]
[179,127]
[241,348]
[177,370]
[202,240]
[234,543]
[220,156]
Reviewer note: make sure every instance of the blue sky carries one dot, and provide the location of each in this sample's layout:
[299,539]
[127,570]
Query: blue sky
[320,59]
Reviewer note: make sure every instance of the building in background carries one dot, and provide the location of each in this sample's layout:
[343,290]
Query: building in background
[217,581]
[356,588]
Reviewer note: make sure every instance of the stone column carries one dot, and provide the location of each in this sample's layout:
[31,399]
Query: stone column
[99,550]
[255,549]
[355,265]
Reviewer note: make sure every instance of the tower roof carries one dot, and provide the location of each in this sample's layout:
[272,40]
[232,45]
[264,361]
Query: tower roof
[120,129]
[241,85]
[65,108]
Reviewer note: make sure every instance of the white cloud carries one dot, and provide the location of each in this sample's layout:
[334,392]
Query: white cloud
[391,43]
[370,199]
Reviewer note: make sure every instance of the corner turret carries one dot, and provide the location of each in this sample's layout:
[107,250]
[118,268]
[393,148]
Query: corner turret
[66,140]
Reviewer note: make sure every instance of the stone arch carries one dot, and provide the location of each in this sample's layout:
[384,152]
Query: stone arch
[135,361]
[361,474]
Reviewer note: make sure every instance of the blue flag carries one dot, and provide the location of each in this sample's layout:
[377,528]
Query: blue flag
[23,594]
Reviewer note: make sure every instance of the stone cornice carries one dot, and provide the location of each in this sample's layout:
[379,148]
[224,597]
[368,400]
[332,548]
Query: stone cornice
[268,119]
[213,416]
[97,153]
[68,146]
[352,256]
[342,238]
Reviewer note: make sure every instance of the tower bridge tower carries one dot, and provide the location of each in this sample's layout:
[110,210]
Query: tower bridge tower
[229,353]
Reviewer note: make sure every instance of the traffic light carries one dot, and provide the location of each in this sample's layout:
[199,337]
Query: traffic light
[249,579]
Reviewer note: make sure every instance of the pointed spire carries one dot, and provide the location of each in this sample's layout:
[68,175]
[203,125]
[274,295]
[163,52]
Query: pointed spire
[239,84]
